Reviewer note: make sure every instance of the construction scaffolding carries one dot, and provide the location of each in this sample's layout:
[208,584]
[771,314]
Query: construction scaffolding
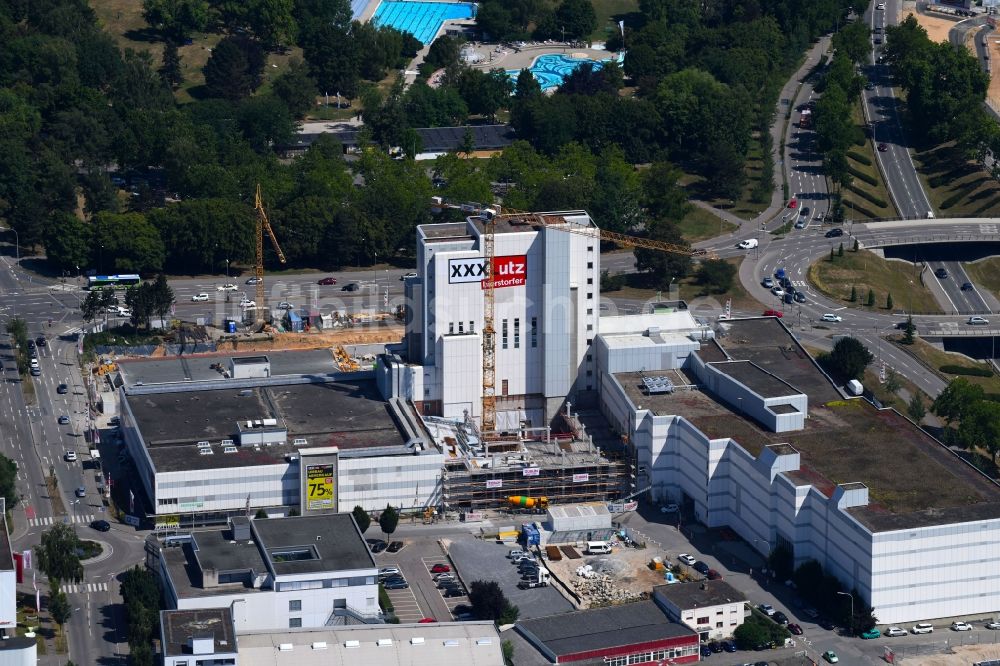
[564,467]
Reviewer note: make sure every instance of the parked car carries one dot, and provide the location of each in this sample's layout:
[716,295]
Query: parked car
[453,592]
[834,233]
[40,341]
[376,543]
[354,286]
[941,273]
[767,282]
[959,625]
[388,571]
[993,624]
[894,631]
[62,389]
[686,559]
[445,577]
[440,568]
[31,343]
[976,320]
[712,574]
[799,297]
[407,276]
[327,281]
[35,371]
[669,508]
[831,656]
[777,291]
[729,646]
[922,628]
[516,552]
[395,585]
[780,617]
[706,651]
[229,286]
[795,629]
[832,317]
[766,609]
[871,634]
[426,620]
[199,297]
[773,313]
[395,546]
[254,280]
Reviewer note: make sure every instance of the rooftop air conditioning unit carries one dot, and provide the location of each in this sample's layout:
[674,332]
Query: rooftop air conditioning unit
[285,647]
[228,442]
[352,644]
[229,449]
[299,441]
[384,642]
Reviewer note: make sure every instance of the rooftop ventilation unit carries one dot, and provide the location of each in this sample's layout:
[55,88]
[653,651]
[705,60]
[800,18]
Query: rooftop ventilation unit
[484,641]
[229,449]
[206,452]
[451,643]
[352,644]
[319,645]
[204,444]
[285,647]
[228,442]
[299,441]
[417,640]
[384,642]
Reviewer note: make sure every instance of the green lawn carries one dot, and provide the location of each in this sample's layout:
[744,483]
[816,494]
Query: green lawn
[743,207]
[986,274]
[864,270]
[935,358]
[700,224]
[690,291]
[957,187]
[608,14]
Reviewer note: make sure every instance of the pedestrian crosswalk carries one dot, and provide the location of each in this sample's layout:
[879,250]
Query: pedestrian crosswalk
[798,283]
[83,588]
[72,331]
[49,520]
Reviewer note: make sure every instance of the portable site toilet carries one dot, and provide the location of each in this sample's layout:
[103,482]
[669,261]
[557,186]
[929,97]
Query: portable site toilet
[294,321]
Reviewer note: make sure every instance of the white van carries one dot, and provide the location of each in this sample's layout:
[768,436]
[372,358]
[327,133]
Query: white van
[598,548]
[747,244]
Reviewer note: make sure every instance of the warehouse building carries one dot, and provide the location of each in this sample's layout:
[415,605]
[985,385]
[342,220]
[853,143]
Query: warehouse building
[713,608]
[205,450]
[746,431]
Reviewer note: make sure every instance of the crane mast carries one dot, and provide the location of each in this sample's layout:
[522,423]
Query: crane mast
[489,421]
[263,224]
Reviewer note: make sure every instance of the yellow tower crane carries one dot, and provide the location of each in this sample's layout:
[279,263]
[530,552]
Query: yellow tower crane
[262,225]
[489,218]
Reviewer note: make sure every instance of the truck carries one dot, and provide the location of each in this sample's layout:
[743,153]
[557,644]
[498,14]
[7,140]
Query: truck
[538,578]
[522,502]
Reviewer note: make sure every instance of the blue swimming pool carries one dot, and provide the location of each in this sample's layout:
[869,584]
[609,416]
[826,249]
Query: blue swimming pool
[421,19]
[550,69]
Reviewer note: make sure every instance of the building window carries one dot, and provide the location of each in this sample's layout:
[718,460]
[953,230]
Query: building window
[294,622]
[590,280]
[451,328]
[590,341]
[590,357]
[503,387]
[590,311]
[534,331]
[718,625]
[590,327]
[461,327]
[702,620]
[590,248]
[590,295]
[503,334]
[472,327]
[517,333]
[294,605]
[590,373]
[590,264]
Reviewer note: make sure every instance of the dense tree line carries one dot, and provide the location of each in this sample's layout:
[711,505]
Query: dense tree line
[976,414]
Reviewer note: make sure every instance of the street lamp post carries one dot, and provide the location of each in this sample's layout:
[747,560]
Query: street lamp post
[227,269]
[17,246]
[851,621]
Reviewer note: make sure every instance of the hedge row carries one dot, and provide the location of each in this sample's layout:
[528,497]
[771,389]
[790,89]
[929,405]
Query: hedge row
[858,207]
[861,175]
[963,370]
[878,201]
[859,157]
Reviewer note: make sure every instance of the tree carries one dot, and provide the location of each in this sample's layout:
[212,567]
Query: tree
[831,255]
[980,426]
[849,358]
[161,296]
[957,397]
[871,297]
[577,17]
[856,245]
[663,267]
[908,330]
[128,242]
[854,289]
[892,381]
[176,18]
[234,68]
[296,88]
[717,275]
[59,606]
[362,518]
[840,250]
[888,301]
[8,482]
[388,520]
[749,635]
[915,408]
[170,70]
[58,554]
[260,515]
[489,603]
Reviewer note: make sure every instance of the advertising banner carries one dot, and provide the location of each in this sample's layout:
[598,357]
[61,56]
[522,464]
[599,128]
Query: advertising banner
[508,271]
[494,483]
[319,488]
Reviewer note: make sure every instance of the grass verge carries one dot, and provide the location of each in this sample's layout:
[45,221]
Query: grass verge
[864,270]
[688,290]
[956,186]
[986,274]
[934,358]
[28,389]
[700,224]
[862,199]
[609,12]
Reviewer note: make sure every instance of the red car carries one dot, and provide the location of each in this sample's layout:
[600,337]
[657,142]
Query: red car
[773,313]
[328,281]
[713,575]
[440,568]
[426,620]
[794,628]
[793,203]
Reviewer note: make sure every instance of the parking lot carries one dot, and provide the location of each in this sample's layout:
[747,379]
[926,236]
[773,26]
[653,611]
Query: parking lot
[422,598]
[486,560]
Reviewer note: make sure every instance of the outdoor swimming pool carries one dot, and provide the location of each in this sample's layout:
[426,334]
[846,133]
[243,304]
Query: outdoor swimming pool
[420,19]
[550,69]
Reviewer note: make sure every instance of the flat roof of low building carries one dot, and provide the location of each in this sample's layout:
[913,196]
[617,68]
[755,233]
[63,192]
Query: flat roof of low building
[912,479]
[332,537]
[755,378]
[198,367]
[350,415]
[602,628]
[700,594]
[467,643]
[180,626]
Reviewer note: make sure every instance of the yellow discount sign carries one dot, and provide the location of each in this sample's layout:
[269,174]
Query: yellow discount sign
[319,487]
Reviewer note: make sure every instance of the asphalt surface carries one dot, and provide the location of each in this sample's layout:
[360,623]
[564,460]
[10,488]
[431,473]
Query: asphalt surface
[884,111]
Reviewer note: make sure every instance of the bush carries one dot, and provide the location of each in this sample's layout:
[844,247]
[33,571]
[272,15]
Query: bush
[861,175]
[859,157]
[963,370]
[383,599]
[864,194]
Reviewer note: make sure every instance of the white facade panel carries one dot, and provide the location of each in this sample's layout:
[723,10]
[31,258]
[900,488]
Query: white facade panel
[406,482]
[226,488]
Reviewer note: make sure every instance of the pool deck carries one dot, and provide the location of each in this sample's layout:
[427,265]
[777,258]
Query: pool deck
[525,57]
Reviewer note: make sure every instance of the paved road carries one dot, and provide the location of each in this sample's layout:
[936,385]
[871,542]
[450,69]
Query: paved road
[884,110]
